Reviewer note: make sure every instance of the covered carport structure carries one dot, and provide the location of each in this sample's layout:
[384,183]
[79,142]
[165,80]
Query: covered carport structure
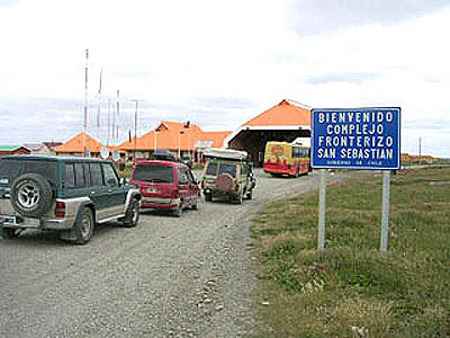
[286,121]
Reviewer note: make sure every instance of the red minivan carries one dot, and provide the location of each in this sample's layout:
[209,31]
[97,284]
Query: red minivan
[166,185]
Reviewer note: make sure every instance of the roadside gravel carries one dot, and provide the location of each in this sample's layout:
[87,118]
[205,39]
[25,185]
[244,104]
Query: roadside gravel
[169,277]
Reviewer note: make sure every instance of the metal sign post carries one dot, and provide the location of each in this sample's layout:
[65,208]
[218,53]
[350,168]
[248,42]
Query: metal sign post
[356,138]
[385,210]
[322,206]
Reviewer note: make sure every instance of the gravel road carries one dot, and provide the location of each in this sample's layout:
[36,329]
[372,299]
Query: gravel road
[168,277]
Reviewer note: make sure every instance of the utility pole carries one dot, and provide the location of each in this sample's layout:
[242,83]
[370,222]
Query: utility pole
[85,101]
[420,151]
[109,111]
[99,98]
[117,113]
[135,127]
[179,143]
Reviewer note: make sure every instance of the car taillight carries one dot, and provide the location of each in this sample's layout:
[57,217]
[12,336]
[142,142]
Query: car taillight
[60,210]
[203,184]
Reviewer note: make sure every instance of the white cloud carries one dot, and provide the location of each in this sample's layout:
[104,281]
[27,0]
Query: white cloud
[170,53]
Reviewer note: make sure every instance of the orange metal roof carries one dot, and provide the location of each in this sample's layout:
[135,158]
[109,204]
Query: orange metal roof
[75,145]
[171,135]
[217,137]
[286,113]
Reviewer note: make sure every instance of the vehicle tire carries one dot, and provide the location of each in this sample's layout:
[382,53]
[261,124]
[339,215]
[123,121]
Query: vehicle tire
[31,195]
[179,210]
[8,233]
[238,199]
[208,198]
[131,218]
[250,195]
[84,226]
[195,205]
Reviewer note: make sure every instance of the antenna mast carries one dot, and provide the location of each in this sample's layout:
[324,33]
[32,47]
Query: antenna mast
[85,101]
[109,110]
[117,111]
[99,98]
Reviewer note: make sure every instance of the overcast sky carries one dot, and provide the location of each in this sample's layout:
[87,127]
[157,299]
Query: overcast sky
[220,63]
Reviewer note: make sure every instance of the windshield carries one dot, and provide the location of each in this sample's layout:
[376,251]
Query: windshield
[11,169]
[153,173]
[225,168]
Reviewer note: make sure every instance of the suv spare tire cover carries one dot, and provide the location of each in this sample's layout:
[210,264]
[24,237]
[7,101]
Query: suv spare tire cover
[224,182]
[31,195]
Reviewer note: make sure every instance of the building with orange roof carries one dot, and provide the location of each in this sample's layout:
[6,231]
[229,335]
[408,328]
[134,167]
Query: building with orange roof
[180,138]
[76,146]
[286,121]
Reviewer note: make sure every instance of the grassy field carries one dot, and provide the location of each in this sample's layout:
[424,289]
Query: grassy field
[352,287]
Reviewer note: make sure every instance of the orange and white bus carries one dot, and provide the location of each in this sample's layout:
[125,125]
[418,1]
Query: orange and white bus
[283,158]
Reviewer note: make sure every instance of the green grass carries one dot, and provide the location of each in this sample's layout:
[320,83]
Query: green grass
[402,293]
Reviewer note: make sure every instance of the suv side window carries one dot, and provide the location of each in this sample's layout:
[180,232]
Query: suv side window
[87,174]
[110,175]
[69,176]
[79,175]
[96,174]
[182,176]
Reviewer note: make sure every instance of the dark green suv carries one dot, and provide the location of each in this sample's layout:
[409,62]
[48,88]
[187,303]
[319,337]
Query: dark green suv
[69,195]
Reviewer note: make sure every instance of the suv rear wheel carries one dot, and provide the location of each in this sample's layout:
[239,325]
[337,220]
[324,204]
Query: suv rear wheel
[195,205]
[84,226]
[8,233]
[238,199]
[178,211]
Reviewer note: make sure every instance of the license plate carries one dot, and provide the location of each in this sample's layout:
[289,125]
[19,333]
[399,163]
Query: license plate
[32,222]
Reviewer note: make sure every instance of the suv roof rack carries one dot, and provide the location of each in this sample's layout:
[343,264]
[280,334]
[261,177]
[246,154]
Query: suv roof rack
[229,154]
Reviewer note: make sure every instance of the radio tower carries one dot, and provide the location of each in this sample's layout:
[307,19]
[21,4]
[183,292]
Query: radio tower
[117,111]
[85,101]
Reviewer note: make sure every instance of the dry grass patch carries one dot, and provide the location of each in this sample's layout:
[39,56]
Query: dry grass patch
[404,293]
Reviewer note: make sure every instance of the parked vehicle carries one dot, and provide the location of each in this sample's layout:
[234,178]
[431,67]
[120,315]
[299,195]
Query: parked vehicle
[283,158]
[163,154]
[166,185]
[69,195]
[228,174]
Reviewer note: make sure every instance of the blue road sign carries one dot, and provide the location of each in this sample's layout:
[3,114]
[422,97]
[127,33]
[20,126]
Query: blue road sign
[356,138]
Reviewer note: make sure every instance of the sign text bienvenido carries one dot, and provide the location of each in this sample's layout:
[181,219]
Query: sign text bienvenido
[356,138]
